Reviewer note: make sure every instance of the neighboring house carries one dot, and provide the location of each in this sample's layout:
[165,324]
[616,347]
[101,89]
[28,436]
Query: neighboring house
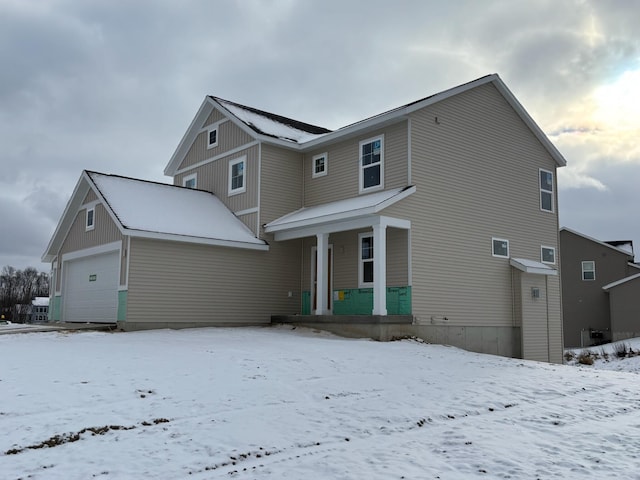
[40,309]
[437,219]
[600,290]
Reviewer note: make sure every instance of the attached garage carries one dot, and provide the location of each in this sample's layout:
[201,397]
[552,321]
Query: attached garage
[91,288]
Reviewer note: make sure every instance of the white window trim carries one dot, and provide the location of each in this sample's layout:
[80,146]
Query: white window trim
[193,176]
[594,271]
[493,254]
[542,248]
[361,261]
[361,167]
[552,192]
[313,165]
[210,129]
[233,162]
[93,219]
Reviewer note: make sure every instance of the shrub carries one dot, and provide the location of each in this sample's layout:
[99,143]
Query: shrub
[621,350]
[585,358]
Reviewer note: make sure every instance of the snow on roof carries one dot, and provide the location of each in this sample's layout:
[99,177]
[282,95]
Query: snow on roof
[274,125]
[626,245]
[348,208]
[620,282]
[168,209]
[40,302]
[532,266]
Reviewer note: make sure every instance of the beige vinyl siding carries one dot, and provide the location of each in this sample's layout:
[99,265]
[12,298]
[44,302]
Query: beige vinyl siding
[250,220]
[343,160]
[230,136]
[476,173]
[214,177]
[535,327]
[215,116]
[280,189]
[184,283]
[90,197]
[105,231]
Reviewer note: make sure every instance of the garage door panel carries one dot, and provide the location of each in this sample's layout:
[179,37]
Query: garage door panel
[91,289]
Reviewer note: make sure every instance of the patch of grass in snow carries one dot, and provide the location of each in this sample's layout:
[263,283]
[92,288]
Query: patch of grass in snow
[57,440]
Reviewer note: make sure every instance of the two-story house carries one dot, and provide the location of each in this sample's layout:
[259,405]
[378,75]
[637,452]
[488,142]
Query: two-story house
[437,219]
[600,290]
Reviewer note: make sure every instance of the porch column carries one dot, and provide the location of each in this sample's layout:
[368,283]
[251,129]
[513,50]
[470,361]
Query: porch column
[380,270]
[322,269]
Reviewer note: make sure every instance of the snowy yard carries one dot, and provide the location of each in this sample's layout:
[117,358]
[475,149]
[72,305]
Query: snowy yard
[280,403]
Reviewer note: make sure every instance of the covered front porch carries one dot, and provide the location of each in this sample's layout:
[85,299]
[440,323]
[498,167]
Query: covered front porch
[357,259]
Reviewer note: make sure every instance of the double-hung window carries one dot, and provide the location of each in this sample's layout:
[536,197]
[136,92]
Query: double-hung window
[372,164]
[365,274]
[546,190]
[237,181]
[589,270]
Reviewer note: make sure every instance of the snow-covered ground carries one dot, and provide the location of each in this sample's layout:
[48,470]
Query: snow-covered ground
[282,403]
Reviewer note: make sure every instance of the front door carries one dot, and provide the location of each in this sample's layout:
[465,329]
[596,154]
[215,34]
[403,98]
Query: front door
[314,278]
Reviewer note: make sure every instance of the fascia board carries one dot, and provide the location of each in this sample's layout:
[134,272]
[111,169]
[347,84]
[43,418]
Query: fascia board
[312,230]
[105,204]
[66,220]
[620,282]
[396,198]
[529,269]
[335,217]
[196,240]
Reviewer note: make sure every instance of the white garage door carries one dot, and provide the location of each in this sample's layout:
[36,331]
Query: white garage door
[91,289]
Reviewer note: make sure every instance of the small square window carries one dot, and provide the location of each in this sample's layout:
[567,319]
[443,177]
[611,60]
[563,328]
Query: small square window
[190,181]
[319,165]
[500,247]
[589,270]
[212,137]
[548,255]
[237,176]
[90,219]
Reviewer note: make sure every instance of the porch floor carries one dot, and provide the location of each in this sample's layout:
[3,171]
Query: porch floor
[344,319]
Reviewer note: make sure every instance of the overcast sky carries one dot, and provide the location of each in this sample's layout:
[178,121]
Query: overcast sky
[112,86]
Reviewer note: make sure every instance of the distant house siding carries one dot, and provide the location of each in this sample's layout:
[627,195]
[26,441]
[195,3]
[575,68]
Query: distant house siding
[625,310]
[585,305]
[172,283]
[477,177]
[342,179]
[230,137]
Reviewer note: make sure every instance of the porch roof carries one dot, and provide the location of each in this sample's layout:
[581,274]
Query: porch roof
[532,266]
[340,210]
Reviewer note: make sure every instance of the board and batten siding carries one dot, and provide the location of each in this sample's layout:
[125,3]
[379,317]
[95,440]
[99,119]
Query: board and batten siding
[175,282]
[78,238]
[214,177]
[90,197]
[475,166]
[342,179]
[215,116]
[230,136]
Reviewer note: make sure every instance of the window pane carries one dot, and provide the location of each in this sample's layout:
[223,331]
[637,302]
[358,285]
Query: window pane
[89,218]
[367,272]
[213,137]
[237,175]
[501,248]
[320,165]
[371,176]
[546,202]
[589,275]
[546,181]
[548,255]
[367,248]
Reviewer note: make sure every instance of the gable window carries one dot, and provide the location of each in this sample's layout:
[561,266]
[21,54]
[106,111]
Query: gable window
[319,165]
[500,247]
[589,270]
[90,219]
[546,190]
[236,175]
[212,137]
[190,181]
[548,255]
[365,274]
[371,164]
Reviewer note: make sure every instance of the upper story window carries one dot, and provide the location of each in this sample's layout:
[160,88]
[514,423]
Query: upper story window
[365,273]
[319,165]
[190,181]
[90,219]
[237,175]
[212,137]
[546,190]
[548,255]
[372,164]
[589,270]
[500,247]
